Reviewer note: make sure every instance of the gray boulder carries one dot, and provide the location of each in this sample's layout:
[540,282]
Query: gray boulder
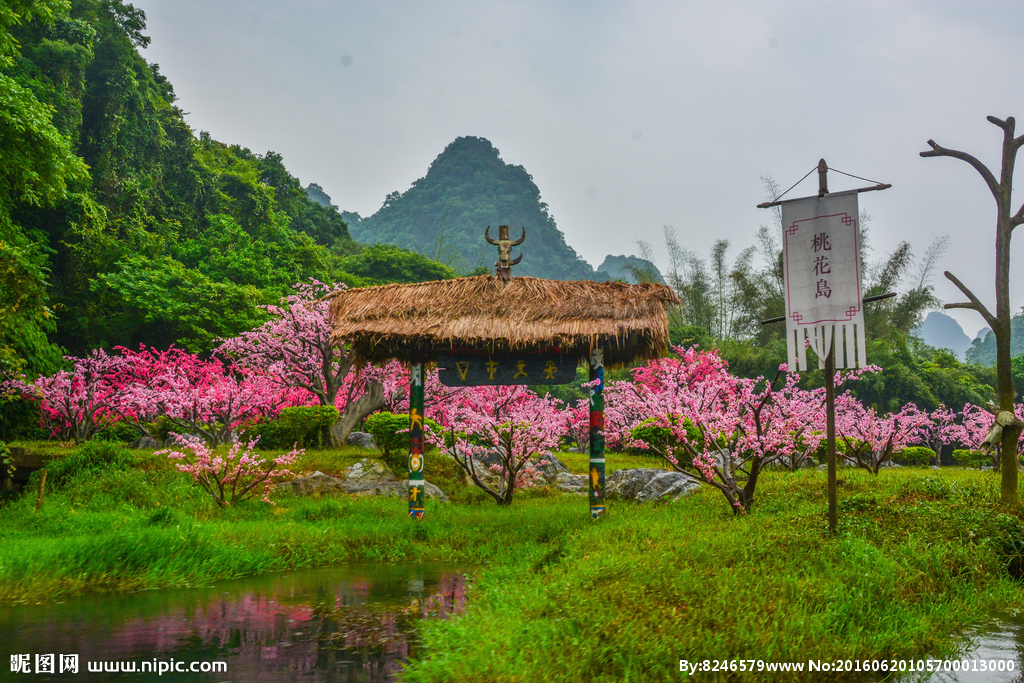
[365,478]
[174,441]
[397,489]
[316,484]
[643,485]
[553,468]
[368,471]
[374,478]
[362,440]
[145,442]
[571,483]
[640,484]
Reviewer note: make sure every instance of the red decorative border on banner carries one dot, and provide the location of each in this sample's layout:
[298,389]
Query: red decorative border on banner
[792,230]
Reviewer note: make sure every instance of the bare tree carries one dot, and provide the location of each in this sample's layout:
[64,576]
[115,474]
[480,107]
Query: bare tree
[1006,221]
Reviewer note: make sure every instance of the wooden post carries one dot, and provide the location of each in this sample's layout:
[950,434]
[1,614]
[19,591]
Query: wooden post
[830,392]
[830,431]
[416,479]
[42,485]
[597,508]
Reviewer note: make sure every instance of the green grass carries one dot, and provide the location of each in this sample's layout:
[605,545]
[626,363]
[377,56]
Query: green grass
[920,556]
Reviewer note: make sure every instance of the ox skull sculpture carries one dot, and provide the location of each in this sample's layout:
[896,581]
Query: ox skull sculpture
[503,266]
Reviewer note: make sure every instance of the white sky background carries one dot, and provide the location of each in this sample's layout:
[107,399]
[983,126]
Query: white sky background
[629,115]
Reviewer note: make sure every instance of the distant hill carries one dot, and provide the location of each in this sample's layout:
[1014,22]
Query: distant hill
[943,332]
[983,348]
[628,267]
[467,188]
[317,194]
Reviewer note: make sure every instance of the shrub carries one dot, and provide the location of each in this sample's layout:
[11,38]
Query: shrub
[231,478]
[6,462]
[915,455]
[19,419]
[440,465]
[390,432]
[92,458]
[119,432]
[307,426]
[969,458]
[387,430]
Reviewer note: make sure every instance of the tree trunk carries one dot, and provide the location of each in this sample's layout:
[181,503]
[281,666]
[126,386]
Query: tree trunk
[371,400]
[1006,221]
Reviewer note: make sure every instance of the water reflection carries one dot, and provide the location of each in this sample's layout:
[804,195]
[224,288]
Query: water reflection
[350,623]
[998,645]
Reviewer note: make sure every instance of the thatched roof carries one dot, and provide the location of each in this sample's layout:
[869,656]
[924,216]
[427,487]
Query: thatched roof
[524,314]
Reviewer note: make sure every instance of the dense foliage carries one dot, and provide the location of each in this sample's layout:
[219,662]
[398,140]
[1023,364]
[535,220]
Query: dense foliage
[983,348]
[120,226]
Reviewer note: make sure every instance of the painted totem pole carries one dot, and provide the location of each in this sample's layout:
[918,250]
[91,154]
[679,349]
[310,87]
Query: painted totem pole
[597,434]
[416,479]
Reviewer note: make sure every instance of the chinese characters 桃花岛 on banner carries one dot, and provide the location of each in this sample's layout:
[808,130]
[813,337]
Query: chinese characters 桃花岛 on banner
[822,273]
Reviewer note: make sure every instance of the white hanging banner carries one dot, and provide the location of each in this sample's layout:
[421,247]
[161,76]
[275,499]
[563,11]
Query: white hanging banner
[822,273]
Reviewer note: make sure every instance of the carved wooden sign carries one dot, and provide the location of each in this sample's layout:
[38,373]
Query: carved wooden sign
[467,370]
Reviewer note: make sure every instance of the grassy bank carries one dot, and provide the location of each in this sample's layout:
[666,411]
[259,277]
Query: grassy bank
[919,556]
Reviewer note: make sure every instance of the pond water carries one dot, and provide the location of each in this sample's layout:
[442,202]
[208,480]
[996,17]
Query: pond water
[352,623]
[1000,641]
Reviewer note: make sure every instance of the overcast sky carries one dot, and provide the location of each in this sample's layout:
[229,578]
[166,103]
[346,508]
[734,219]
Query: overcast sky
[629,115]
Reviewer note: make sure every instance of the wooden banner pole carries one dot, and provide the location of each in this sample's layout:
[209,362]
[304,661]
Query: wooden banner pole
[830,431]
[830,392]
[416,464]
[597,506]
[830,364]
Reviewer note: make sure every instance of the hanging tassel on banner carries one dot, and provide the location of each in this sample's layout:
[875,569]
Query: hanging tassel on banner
[849,341]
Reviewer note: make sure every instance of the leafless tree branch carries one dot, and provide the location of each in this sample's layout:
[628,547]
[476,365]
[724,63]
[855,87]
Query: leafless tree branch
[990,179]
[1017,218]
[974,304]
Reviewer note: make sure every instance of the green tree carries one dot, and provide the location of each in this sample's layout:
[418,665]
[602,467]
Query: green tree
[1000,322]
[38,166]
[384,263]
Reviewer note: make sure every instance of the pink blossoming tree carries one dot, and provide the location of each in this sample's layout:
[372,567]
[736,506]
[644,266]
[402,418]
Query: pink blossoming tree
[503,430]
[872,439]
[294,350]
[974,428]
[79,403]
[704,421]
[234,477]
[940,430]
[202,397]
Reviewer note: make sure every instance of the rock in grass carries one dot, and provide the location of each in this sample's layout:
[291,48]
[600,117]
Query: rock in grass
[640,484]
[571,483]
[643,485]
[553,468]
[316,484]
[396,489]
[362,440]
[365,478]
[145,442]
[368,471]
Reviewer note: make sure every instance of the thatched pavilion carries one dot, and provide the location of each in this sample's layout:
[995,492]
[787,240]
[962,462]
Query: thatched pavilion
[605,322]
